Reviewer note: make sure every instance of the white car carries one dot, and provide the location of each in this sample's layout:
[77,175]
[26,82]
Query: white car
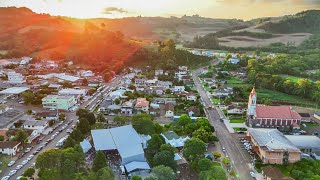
[11,163]
[24,162]
[5,178]
[19,177]
[252,174]
[19,167]
[27,150]
[12,172]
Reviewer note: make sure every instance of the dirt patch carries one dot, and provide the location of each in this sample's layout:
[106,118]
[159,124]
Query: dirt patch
[241,39]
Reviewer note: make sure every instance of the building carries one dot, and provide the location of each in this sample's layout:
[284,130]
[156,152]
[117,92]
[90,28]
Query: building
[234,60]
[317,115]
[308,144]
[73,92]
[142,105]
[233,109]
[54,102]
[281,117]
[169,108]
[16,78]
[127,108]
[124,139]
[14,90]
[38,125]
[48,115]
[179,88]
[193,111]
[164,100]
[9,147]
[273,173]
[272,146]
[173,139]
[191,96]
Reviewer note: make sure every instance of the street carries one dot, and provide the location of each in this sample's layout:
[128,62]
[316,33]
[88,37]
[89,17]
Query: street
[237,157]
[70,117]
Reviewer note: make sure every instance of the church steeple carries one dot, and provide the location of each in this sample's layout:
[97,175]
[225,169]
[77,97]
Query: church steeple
[252,103]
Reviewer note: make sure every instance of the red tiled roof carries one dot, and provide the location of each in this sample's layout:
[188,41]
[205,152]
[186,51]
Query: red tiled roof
[142,102]
[281,112]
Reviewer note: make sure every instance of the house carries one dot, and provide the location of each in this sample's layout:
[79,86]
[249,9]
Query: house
[317,115]
[16,78]
[281,117]
[165,84]
[127,108]
[273,173]
[48,115]
[191,96]
[233,60]
[308,144]
[142,105]
[158,72]
[233,109]
[272,146]
[193,111]
[169,108]
[305,117]
[38,125]
[179,88]
[54,102]
[164,100]
[159,90]
[9,147]
[105,103]
[173,139]
[138,81]
[222,92]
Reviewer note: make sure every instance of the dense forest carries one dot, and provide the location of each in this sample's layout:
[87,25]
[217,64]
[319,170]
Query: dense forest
[306,21]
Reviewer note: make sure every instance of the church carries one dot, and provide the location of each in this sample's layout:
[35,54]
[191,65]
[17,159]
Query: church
[280,117]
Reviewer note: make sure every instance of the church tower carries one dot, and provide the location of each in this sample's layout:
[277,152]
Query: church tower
[252,103]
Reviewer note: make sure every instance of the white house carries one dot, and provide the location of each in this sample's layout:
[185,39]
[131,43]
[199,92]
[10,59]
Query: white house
[142,105]
[38,125]
[9,147]
[191,96]
[179,88]
[234,60]
[169,108]
[173,139]
[15,78]
[232,109]
[158,72]
[127,108]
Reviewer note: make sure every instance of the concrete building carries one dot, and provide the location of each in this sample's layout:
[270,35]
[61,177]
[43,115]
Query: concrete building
[74,92]
[127,108]
[16,78]
[308,144]
[169,108]
[272,146]
[9,147]
[54,102]
[38,125]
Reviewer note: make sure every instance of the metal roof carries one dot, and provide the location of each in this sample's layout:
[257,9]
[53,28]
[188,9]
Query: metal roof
[14,90]
[305,141]
[136,165]
[85,145]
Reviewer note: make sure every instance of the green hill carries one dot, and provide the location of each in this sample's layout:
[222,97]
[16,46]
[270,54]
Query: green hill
[303,22]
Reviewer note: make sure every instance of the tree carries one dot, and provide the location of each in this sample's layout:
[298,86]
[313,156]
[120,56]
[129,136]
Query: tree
[168,147]
[216,154]
[29,172]
[84,126]
[158,128]
[119,120]
[21,136]
[165,158]
[228,56]
[28,97]
[226,161]
[204,164]
[99,161]
[203,135]
[168,91]
[91,118]
[136,177]
[77,135]
[143,124]
[162,173]
[70,142]
[184,120]
[62,116]
[194,149]
[154,144]
[105,173]
[215,172]
[1,138]
[117,101]
[101,118]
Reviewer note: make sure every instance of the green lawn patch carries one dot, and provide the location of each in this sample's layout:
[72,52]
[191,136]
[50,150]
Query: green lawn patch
[278,96]
[238,120]
[292,78]
[215,101]
[310,124]
[214,163]
[239,129]
[5,160]
[234,80]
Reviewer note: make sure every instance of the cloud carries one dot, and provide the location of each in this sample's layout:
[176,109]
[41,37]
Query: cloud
[111,10]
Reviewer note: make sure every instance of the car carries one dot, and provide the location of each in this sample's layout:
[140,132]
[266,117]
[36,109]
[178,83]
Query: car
[11,163]
[19,167]
[12,172]
[35,152]
[31,156]
[5,178]
[252,174]
[69,130]
[27,150]
[223,149]
[24,162]
[33,164]
[19,177]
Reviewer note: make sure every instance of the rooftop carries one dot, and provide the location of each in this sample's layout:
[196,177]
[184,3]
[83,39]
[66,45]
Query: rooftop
[170,135]
[305,141]
[14,90]
[272,139]
[281,112]
[72,91]
[35,123]
[142,102]
[8,144]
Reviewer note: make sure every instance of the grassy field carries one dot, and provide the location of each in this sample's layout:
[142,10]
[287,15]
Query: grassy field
[5,160]
[292,78]
[311,124]
[215,101]
[278,96]
[236,82]
[238,120]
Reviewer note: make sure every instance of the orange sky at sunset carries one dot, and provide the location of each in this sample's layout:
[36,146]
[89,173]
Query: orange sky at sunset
[240,9]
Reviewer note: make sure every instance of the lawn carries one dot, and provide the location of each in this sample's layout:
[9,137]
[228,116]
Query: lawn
[239,129]
[215,101]
[292,78]
[278,96]
[311,124]
[234,80]
[5,160]
[238,120]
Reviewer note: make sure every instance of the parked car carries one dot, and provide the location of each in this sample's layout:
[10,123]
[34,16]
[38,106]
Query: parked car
[11,163]
[5,178]
[27,150]
[19,167]
[24,162]
[12,172]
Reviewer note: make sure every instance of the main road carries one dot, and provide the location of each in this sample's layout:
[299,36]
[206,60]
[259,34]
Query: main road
[236,155]
[70,119]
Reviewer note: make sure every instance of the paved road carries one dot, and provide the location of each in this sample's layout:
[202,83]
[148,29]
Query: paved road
[235,153]
[70,117]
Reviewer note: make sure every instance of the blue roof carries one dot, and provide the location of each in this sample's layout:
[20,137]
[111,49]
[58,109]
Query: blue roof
[136,165]
[85,145]
[125,139]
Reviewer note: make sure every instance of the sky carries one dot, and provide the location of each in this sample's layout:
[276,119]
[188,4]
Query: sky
[239,9]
